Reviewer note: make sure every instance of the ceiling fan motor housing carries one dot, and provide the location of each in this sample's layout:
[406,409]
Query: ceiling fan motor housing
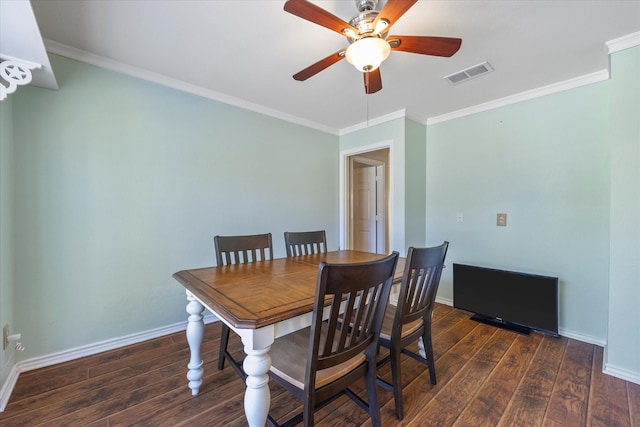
[363,5]
[364,23]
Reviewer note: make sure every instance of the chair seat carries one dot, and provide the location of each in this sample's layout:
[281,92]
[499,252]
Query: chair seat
[289,357]
[387,324]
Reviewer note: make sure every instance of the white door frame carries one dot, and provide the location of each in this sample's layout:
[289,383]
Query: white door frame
[344,189]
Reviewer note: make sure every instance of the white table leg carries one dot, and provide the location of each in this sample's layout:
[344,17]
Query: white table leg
[195,334]
[257,396]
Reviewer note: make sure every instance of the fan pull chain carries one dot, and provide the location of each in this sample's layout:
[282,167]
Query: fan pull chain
[367,96]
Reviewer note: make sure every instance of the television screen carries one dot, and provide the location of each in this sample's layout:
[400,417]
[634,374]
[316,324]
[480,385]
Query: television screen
[507,297]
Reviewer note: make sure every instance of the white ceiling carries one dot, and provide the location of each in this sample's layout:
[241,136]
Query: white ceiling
[245,52]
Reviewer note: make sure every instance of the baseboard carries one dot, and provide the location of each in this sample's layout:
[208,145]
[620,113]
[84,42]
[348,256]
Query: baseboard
[564,332]
[87,350]
[582,337]
[7,387]
[445,301]
[621,373]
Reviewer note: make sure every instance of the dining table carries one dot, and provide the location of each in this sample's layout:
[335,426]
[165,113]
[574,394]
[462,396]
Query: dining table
[259,301]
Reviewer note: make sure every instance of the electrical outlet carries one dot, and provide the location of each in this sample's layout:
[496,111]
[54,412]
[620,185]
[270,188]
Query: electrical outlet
[5,336]
[501,220]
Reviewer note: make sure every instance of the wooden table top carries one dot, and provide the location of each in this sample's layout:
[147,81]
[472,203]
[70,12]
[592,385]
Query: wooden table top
[250,296]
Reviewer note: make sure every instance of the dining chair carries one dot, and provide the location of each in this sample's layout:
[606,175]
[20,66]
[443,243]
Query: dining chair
[239,250]
[320,362]
[410,319]
[305,242]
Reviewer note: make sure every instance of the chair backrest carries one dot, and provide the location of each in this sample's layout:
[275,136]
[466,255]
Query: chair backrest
[305,242]
[243,249]
[358,295]
[420,281]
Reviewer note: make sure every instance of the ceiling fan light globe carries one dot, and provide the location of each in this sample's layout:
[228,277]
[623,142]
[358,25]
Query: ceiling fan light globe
[368,53]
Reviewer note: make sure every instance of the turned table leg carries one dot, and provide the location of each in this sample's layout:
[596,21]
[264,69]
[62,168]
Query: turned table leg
[421,348]
[195,333]
[257,397]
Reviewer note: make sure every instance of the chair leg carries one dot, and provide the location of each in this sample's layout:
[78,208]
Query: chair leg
[428,351]
[371,382]
[224,341]
[397,381]
[307,412]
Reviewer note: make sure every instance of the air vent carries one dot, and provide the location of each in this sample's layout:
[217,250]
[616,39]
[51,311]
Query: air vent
[469,73]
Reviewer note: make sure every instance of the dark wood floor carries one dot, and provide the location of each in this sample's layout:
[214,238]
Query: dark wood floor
[486,377]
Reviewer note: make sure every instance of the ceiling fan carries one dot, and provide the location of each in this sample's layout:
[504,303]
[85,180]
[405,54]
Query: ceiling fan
[367,33]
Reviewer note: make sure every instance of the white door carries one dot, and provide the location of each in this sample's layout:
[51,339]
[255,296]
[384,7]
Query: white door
[364,209]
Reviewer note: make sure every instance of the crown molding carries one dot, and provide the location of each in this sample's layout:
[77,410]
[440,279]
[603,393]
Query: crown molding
[110,64]
[415,118]
[400,114]
[587,79]
[616,45]
[624,42]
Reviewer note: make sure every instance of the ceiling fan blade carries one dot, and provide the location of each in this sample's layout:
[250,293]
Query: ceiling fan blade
[372,81]
[393,10]
[314,69]
[317,15]
[425,45]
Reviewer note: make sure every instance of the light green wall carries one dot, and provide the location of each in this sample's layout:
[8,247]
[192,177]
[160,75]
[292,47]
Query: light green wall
[545,163]
[623,350]
[415,182]
[120,183]
[6,232]
[566,170]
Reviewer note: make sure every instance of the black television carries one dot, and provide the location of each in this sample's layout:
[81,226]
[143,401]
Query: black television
[521,302]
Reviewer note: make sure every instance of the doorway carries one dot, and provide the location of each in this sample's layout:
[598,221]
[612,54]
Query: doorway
[366,201]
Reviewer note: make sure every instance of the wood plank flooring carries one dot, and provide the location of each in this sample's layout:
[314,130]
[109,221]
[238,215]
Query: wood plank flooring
[486,377]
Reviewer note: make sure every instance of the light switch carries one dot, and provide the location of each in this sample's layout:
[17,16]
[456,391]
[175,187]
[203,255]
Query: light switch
[459,217]
[501,220]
